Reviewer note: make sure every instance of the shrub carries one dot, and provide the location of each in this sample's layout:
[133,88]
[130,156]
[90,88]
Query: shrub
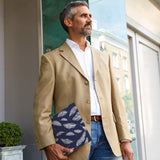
[10,134]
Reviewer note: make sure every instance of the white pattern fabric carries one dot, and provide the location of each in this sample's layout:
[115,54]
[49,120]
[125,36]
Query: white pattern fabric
[71,133]
[85,60]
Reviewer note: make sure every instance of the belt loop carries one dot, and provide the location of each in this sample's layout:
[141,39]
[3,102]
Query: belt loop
[95,119]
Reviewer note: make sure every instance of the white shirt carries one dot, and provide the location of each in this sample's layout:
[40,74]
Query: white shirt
[85,60]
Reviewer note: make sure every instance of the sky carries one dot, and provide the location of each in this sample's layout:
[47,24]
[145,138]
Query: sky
[110,15]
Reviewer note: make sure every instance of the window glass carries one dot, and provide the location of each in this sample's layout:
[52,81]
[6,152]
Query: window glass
[53,33]
[109,35]
[115,60]
[125,64]
[126,83]
[118,81]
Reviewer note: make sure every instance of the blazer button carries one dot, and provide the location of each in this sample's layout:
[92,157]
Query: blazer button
[88,101]
[88,121]
[86,82]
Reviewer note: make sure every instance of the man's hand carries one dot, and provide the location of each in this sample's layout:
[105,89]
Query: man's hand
[126,150]
[55,152]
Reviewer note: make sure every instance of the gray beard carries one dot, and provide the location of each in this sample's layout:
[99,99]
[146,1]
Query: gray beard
[86,31]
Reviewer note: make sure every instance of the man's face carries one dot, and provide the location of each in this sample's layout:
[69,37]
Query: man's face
[82,23]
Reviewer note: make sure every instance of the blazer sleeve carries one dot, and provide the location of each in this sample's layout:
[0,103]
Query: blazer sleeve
[118,108]
[42,107]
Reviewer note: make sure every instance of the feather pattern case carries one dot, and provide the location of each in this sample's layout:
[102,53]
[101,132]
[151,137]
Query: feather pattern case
[69,128]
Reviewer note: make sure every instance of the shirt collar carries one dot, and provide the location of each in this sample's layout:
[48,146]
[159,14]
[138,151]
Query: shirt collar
[73,44]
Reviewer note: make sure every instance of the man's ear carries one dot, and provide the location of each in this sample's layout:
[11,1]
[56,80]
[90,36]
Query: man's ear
[68,22]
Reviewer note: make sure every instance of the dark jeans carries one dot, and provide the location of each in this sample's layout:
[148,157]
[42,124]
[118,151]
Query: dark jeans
[100,148]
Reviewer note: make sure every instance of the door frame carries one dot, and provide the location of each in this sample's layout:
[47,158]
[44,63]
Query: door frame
[137,33]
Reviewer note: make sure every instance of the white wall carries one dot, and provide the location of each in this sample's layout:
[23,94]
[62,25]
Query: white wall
[144,13]
[2,61]
[21,68]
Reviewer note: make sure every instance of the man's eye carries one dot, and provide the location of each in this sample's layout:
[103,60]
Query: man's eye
[86,15]
[83,15]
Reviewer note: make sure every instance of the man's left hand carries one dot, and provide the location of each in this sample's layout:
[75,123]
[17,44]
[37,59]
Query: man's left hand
[126,150]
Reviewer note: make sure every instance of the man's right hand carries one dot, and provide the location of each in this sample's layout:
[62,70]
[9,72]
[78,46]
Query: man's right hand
[55,152]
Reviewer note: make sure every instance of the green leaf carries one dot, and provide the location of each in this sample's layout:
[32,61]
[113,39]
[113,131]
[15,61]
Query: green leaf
[10,134]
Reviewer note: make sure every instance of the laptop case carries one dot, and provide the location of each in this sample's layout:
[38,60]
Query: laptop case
[69,128]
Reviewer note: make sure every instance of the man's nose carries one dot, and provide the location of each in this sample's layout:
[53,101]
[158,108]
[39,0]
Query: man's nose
[89,19]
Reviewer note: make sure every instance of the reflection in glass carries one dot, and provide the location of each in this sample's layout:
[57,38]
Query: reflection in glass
[110,35]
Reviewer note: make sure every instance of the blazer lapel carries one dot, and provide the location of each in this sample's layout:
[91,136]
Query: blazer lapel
[66,52]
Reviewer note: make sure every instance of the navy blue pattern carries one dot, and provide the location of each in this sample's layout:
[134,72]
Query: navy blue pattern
[69,128]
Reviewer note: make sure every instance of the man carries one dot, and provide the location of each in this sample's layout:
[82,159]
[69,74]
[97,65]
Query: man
[76,72]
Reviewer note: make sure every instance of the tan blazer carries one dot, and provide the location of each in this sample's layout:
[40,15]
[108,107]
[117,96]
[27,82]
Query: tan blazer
[63,80]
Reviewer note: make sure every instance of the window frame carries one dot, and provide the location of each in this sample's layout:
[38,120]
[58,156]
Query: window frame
[132,29]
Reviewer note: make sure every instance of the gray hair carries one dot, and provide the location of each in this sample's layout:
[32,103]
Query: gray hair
[69,12]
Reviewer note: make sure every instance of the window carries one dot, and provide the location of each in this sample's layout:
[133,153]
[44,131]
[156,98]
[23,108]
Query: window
[125,66]
[146,78]
[115,40]
[126,83]
[118,81]
[102,46]
[115,60]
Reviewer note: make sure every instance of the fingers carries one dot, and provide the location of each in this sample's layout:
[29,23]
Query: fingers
[64,150]
[126,150]
[61,152]
[62,157]
[130,155]
[55,152]
[68,150]
[123,155]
